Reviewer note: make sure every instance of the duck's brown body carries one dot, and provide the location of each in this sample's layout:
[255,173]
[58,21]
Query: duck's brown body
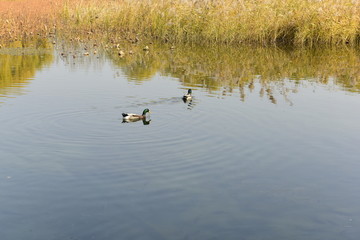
[133,116]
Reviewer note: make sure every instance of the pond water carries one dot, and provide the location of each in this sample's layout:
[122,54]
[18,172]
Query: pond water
[268,148]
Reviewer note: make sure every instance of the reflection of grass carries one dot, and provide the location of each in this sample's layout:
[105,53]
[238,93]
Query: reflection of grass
[239,68]
[16,68]
[139,67]
[301,22]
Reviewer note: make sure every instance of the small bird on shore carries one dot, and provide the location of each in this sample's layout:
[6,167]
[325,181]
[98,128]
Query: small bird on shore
[133,116]
[187,96]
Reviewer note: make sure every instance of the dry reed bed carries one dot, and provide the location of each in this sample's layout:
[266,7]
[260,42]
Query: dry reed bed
[24,19]
[299,22]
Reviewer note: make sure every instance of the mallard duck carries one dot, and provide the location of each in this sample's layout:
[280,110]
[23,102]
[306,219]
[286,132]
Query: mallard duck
[187,96]
[133,116]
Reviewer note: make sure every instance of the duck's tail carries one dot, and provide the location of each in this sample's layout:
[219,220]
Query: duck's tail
[124,114]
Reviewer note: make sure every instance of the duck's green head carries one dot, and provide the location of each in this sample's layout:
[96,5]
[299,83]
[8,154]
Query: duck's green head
[146,110]
[189,91]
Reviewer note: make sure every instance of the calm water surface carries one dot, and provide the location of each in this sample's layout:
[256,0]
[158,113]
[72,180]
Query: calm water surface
[267,149]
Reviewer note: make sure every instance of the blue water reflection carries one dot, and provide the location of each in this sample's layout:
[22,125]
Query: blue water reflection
[218,168]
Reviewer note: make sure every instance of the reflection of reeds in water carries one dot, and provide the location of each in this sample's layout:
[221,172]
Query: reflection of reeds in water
[18,66]
[143,68]
[226,69]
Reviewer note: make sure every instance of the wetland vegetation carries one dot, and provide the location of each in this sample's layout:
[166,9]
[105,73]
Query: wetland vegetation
[265,149]
[268,22]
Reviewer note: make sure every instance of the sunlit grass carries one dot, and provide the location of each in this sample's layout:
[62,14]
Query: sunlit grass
[300,22]
[20,19]
[264,22]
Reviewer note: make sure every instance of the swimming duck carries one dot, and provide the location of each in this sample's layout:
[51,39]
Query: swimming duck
[133,116]
[187,96]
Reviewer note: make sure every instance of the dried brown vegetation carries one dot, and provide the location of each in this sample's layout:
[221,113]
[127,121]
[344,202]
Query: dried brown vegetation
[266,22]
[23,19]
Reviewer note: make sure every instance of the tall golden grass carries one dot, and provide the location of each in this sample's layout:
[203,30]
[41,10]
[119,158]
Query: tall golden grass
[299,22]
[265,22]
[22,19]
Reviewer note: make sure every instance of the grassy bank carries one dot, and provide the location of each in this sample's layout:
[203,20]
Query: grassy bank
[264,22]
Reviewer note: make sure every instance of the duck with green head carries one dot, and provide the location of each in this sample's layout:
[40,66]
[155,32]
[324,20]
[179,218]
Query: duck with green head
[133,116]
[187,96]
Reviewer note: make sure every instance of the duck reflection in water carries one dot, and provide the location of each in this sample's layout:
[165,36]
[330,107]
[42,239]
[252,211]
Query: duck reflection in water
[145,122]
